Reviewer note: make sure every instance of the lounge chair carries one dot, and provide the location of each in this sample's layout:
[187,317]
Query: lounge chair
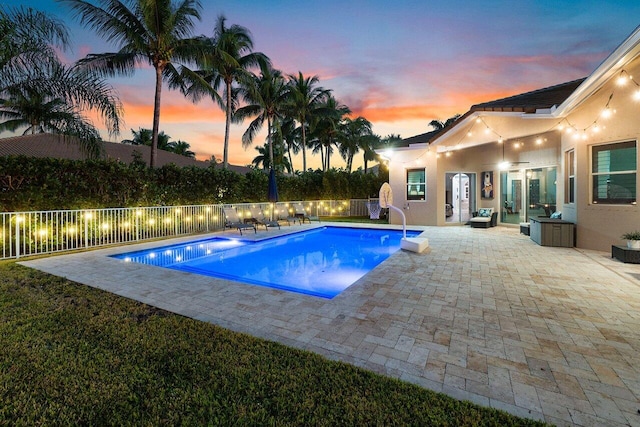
[258,218]
[486,218]
[290,219]
[232,220]
[301,214]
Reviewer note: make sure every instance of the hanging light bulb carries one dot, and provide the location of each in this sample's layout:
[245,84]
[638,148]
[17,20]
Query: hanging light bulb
[622,80]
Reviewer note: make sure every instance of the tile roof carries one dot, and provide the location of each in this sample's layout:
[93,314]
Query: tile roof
[56,146]
[423,138]
[529,102]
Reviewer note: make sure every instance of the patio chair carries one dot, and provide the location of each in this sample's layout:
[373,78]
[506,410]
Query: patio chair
[289,219]
[232,220]
[258,218]
[486,218]
[301,214]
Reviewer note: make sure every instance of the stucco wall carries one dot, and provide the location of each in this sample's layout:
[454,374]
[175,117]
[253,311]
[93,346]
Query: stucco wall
[472,160]
[600,225]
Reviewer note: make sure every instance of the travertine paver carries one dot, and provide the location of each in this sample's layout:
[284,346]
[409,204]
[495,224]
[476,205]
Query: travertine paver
[485,315]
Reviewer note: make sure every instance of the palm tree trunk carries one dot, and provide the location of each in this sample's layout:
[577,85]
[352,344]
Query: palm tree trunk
[289,153]
[156,118]
[269,141]
[328,157]
[304,147]
[227,126]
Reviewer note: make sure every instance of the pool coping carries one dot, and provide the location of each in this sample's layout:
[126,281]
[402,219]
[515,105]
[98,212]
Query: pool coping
[246,245]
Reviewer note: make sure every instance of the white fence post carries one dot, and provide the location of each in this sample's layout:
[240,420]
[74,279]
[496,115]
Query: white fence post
[17,236]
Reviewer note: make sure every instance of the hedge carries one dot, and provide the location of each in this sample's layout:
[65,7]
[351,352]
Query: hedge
[29,183]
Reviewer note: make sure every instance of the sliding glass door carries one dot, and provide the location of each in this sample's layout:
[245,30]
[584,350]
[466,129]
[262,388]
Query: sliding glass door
[527,193]
[511,200]
[541,199]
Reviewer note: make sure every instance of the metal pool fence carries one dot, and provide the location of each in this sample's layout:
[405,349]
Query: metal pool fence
[43,232]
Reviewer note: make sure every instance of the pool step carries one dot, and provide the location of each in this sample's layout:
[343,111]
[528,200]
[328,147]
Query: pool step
[414,244]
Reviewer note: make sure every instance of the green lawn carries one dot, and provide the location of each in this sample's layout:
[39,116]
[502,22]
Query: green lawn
[74,355]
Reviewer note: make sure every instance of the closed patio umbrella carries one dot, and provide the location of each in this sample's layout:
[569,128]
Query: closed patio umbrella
[272,192]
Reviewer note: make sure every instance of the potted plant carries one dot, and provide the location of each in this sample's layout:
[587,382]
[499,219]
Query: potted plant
[633,239]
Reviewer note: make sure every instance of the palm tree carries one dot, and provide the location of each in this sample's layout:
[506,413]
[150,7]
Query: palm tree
[439,124]
[30,108]
[39,92]
[353,137]
[151,31]
[325,124]
[145,137]
[228,58]
[369,154]
[305,98]
[266,96]
[287,132]
[182,148]
[28,40]
[280,161]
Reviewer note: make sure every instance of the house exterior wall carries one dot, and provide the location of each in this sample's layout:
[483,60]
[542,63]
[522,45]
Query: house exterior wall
[598,226]
[417,212]
[472,160]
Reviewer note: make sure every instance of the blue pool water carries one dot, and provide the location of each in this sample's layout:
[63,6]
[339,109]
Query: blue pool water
[321,262]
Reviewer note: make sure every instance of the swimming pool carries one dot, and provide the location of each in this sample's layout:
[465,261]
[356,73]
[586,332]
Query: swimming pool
[321,262]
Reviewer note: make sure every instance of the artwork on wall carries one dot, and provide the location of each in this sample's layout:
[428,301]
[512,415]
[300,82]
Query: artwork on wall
[486,185]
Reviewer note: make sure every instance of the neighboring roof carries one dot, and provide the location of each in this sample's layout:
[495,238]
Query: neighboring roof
[57,146]
[423,138]
[530,102]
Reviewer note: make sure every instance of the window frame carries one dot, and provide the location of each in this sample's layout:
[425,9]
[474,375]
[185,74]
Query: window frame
[611,146]
[570,176]
[418,196]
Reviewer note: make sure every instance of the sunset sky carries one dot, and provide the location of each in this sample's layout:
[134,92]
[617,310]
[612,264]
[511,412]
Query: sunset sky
[399,64]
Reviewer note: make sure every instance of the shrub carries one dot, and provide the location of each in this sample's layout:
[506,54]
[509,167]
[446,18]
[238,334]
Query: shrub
[28,183]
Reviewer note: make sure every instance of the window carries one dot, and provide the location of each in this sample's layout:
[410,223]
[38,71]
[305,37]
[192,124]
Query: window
[570,176]
[416,184]
[613,172]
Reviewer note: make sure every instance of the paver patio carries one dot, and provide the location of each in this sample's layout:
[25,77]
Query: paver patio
[485,315]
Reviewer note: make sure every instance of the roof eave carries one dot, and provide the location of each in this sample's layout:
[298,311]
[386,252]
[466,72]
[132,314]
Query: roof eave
[627,51]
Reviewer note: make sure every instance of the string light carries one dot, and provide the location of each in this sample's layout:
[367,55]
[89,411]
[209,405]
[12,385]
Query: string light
[563,125]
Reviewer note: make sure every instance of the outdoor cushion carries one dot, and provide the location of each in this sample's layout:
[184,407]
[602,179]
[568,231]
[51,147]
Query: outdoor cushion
[485,212]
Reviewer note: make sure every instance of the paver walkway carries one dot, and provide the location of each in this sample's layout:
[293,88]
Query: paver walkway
[486,315]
